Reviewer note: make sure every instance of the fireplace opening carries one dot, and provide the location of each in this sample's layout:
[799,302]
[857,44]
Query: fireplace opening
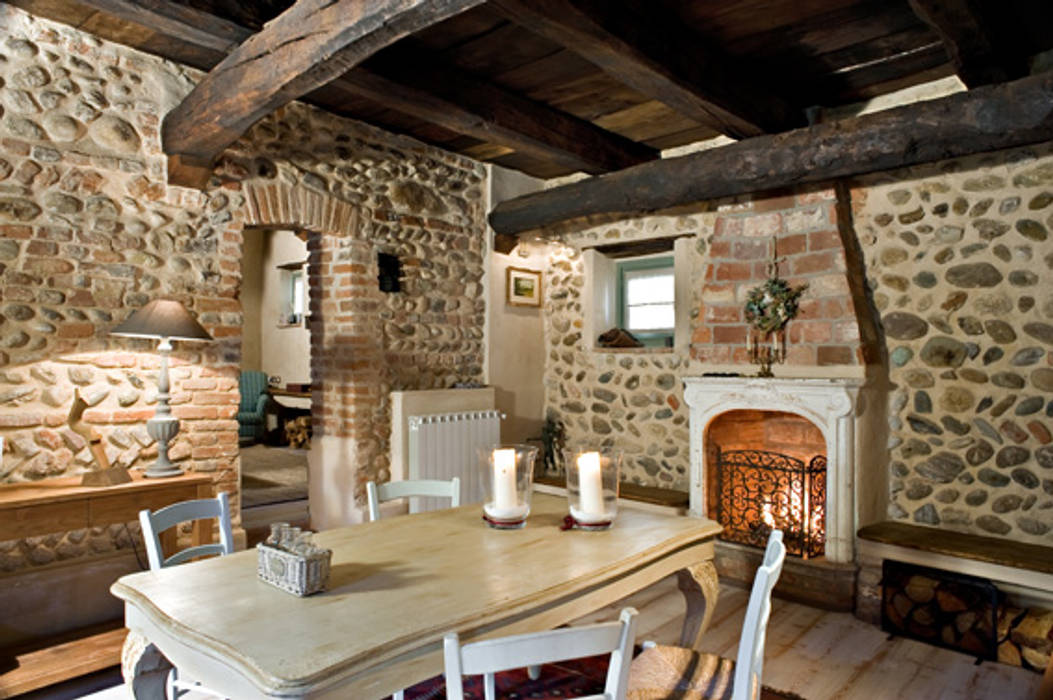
[768,471]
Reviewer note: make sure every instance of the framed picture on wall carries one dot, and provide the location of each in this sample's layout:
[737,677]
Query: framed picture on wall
[523,286]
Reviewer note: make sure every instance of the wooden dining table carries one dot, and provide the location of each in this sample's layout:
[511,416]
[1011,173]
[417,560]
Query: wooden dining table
[396,587]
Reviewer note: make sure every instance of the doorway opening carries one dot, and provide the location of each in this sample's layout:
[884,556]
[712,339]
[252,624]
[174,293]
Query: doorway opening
[274,416]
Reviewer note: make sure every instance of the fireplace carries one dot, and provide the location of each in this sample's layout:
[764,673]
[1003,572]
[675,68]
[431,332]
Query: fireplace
[779,453]
[760,491]
[768,471]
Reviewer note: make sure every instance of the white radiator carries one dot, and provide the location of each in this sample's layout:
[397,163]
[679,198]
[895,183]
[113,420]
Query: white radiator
[444,445]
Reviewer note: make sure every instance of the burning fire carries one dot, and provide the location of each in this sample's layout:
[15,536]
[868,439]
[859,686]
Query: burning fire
[766,515]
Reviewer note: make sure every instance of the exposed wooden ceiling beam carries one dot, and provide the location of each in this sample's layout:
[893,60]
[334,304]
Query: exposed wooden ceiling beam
[178,21]
[984,119]
[417,83]
[660,60]
[976,55]
[303,48]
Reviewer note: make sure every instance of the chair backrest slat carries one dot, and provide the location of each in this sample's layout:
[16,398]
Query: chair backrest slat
[153,524]
[749,662]
[542,648]
[492,655]
[381,493]
[201,550]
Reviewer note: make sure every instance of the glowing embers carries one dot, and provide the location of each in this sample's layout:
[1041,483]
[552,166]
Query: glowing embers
[758,491]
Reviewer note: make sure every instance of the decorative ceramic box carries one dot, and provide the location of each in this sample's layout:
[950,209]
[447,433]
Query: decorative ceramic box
[299,574]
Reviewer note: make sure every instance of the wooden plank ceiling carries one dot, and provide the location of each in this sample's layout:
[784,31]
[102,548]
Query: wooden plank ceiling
[550,87]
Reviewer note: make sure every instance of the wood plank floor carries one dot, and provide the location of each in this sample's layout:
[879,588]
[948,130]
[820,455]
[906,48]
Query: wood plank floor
[831,656]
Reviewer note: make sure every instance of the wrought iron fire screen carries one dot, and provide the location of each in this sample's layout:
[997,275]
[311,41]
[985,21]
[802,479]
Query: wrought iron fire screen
[759,491]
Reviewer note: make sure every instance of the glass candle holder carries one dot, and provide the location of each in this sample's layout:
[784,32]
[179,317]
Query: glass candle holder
[592,486]
[508,472]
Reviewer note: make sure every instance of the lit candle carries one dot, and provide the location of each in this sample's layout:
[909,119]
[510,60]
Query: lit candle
[505,497]
[590,484]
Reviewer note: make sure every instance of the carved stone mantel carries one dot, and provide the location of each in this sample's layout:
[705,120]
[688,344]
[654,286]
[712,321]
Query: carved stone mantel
[830,404]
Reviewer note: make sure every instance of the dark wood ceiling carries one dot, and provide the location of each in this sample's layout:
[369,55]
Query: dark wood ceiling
[514,83]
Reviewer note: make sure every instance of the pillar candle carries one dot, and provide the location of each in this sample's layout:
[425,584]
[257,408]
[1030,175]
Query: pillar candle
[505,496]
[590,484]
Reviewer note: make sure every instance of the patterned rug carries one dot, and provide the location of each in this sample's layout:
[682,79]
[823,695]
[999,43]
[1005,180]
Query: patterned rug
[569,679]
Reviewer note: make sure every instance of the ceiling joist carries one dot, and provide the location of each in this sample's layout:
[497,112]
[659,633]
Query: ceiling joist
[419,84]
[305,47]
[657,59]
[985,119]
[975,53]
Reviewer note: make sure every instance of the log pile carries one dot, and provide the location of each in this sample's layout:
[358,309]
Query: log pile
[946,611]
[298,432]
[1025,637]
[955,611]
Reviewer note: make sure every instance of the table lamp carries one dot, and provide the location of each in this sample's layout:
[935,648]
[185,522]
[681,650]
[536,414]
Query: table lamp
[166,321]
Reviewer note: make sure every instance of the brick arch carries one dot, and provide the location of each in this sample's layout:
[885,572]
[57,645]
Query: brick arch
[327,220]
[284,204]
[344,361]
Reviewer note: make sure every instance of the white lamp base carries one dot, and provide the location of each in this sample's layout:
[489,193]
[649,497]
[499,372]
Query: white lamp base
[162,428]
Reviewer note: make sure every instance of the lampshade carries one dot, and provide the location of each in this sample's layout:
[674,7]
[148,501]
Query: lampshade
[162,318]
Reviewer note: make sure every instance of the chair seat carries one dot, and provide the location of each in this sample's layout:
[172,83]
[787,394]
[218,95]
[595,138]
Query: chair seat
[664,672]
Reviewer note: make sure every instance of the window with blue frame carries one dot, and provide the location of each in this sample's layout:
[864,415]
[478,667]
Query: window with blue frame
[646,300]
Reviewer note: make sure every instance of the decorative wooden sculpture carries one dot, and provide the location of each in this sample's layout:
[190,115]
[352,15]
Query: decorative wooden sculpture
[104,474]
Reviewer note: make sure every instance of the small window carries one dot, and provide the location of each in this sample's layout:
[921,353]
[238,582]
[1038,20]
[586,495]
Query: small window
[295,298]
[646,301]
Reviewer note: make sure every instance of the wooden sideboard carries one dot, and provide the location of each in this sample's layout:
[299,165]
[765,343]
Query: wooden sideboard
[60,505]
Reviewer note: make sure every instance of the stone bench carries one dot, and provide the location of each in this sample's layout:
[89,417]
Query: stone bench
[1024,572]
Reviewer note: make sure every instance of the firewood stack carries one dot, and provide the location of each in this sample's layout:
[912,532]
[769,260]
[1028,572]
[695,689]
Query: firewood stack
[298,432]
[1026,637]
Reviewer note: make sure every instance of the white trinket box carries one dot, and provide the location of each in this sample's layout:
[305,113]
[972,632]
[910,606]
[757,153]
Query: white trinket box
[298,574]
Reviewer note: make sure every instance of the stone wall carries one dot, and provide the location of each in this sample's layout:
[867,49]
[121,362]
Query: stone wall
[634,398]
[631,399]
[960,261]
[89,230]
[941,273]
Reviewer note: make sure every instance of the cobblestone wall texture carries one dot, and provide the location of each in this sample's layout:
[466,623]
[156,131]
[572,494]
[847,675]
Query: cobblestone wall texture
[631,399]
[960,260]
[89,231]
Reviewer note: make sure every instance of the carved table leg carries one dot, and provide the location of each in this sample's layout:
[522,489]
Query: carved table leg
[145,669]
[700,587]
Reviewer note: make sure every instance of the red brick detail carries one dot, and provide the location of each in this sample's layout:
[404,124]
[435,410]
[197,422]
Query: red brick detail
[826,330]
[824,240]
[834,355]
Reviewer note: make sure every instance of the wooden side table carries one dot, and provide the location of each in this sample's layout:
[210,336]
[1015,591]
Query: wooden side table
[61,505]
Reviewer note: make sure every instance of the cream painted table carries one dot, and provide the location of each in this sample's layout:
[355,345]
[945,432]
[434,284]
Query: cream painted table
[397,586]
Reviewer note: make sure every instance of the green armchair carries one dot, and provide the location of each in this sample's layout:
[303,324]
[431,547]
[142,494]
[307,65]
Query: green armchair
[254,398]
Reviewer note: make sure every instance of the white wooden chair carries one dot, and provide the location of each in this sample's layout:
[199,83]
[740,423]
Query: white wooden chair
[381,493]
[434,488]
[492,655]
[153,524]
[668,671]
